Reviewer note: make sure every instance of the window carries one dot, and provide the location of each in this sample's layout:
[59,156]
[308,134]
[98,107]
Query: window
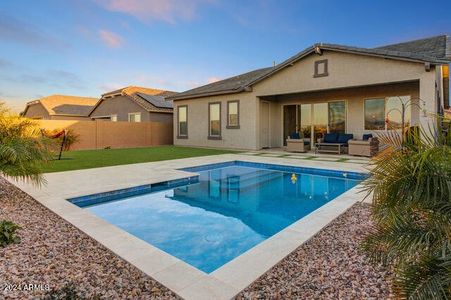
[182,119]
[374,114]
[214,121]
[134,117]
[337,117]
[233,114]
[321,68]
[393,112]
[386,113]
[113,118]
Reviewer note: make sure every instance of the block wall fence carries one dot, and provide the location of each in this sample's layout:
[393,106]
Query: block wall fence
[103,134]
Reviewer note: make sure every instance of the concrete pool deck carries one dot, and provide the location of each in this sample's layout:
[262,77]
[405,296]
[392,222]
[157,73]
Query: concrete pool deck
[183,279]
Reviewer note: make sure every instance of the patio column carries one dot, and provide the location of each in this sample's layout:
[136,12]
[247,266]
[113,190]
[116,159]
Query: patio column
[428,101]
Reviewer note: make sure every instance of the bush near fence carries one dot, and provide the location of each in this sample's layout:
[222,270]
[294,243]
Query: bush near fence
[106,134]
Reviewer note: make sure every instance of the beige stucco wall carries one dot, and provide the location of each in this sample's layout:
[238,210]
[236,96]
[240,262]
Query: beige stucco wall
[123,105]
[161,117]
[37,111]
[345,70]
[243,138]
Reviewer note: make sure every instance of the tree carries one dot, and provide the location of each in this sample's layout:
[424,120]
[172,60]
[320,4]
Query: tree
[411,183]
[22,149]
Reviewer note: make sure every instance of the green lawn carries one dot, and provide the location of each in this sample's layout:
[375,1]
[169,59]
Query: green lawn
[76,160]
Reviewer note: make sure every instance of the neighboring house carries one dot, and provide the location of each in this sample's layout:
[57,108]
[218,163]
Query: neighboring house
[134,104]
[324,88]
[60,107]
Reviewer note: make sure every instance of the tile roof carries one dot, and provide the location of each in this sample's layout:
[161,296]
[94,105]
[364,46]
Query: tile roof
[152,100]
[231,85]
[130,90]
[152,103]
[435,50]
[157,101]
[66,105]
[437,46]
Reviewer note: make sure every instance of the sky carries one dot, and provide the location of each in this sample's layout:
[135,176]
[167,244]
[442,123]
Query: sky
[89,47]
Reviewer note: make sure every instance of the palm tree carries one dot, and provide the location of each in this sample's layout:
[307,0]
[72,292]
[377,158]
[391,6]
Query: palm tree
[22,150]
[410,185]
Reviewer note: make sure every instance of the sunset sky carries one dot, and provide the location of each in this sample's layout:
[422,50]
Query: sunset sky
[88,47]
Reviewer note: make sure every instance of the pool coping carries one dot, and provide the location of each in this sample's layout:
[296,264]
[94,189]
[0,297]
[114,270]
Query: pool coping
[182,278]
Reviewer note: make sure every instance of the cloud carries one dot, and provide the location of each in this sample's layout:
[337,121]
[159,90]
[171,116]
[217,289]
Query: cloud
[15,30]
[169,11]
[5,64]
[111,39]
[108,87]
[213,79]
[53,78]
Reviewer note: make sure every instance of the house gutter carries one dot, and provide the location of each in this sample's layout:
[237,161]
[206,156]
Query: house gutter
[234,91]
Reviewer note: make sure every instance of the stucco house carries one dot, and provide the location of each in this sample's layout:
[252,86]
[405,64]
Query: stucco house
[134,104]
[60,107]
[324,88]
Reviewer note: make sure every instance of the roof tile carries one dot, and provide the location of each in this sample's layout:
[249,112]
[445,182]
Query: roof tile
[67,105]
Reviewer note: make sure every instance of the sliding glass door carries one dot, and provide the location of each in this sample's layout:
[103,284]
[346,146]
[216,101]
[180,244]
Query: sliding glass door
[305,120]
[319,120]
[289,121]
[316,118]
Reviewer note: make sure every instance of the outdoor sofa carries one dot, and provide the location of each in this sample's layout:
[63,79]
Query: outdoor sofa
[333,143]
[368,146]
[297,144]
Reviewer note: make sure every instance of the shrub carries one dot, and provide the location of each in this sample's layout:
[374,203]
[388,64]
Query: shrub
[8,233]
[71,139]
[22,149]
[411,184]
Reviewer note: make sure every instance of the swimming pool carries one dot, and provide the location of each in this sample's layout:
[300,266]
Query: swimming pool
[210,219]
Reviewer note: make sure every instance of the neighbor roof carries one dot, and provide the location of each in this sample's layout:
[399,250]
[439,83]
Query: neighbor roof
[157,101]
[65,105]
[152,100]
[152,103]
[435,50]
[130,90]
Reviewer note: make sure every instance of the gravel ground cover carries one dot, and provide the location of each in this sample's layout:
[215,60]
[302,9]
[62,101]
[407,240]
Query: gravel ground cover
[54,253]
[329,266]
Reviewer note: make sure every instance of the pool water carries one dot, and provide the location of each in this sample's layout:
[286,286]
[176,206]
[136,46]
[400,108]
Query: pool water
[228,211]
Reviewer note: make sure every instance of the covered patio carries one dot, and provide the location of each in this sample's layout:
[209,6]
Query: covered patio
[357,111]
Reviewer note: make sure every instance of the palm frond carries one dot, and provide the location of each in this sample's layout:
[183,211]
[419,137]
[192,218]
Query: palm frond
[410,185]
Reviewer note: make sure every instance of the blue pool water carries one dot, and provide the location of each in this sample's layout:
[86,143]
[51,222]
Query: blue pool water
[226,211]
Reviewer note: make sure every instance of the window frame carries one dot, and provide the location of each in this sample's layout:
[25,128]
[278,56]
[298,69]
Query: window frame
[134,113]
[180,136]
[326,68]
[237,126]
[214,137]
